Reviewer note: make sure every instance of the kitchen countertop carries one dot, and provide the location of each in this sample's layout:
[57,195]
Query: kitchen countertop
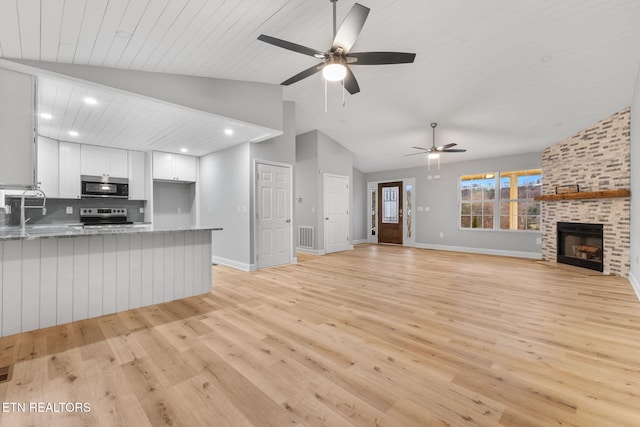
[61,230]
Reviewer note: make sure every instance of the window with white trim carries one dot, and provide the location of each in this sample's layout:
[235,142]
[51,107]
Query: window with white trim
[511,207]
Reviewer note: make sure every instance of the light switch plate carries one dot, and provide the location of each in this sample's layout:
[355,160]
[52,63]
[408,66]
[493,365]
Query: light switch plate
[69,210]
[141,210]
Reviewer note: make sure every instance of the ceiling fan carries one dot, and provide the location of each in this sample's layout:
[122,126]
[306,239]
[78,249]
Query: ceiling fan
[335,61]
[433,151]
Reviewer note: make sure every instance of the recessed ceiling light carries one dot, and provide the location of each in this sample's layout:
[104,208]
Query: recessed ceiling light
[557,125]
[46,116]
[184,150]
[228,132]
[546,58]
[90,101]
[123,34]
[73,133]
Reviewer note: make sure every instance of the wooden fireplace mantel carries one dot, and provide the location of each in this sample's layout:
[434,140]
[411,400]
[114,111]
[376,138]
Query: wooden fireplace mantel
[605,194]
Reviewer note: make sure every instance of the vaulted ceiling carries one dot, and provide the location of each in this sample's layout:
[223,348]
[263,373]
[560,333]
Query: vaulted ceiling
[500,77]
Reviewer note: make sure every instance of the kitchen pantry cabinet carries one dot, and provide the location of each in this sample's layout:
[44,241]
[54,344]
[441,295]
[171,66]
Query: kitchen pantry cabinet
[104,161]
[69,173]
[48,171]
[17,130]
[174,167]
[136,175]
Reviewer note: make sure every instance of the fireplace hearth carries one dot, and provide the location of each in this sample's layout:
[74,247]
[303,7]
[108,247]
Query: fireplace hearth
[580,244]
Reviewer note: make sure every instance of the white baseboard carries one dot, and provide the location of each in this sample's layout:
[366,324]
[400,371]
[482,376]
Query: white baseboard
[635,284]
[358,242]
[499,252]
[233,263]
[310,251]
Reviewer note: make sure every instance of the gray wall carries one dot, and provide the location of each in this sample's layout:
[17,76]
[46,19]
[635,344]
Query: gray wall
[227,186]
[441,197]
[306,182]
[634,274]
[173,204]
[335,159]
[257,103]
[330,157]
[359,207]
[281,149]
[225,202]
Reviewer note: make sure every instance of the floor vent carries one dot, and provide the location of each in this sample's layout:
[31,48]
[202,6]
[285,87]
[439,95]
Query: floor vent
[305,236]
[5,373]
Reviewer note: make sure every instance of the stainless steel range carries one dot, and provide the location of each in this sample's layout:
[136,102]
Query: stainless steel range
[104,217]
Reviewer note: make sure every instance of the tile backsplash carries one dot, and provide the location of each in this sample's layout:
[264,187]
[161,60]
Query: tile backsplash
[56,210]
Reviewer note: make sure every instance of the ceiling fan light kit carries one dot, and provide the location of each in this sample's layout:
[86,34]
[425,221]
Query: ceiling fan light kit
[336,61]
[334,72]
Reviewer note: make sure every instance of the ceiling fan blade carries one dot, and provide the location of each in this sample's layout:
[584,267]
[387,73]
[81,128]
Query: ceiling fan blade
[414,154]
[443,147]
[421,148]
[290,46]
[350,82]
[453,150]
[380,58]
[350,28]
[303,74]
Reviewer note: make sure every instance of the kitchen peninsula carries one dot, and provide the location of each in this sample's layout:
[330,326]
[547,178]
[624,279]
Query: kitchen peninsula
[50,275]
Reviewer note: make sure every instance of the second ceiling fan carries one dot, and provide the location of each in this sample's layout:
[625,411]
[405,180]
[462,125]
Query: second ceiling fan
[336,61]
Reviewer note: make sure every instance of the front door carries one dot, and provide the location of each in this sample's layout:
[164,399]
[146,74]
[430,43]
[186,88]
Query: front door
[390,212]
[336,213]
[274,221]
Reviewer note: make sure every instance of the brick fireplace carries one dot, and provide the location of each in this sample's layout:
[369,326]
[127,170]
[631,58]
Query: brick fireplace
[596,159]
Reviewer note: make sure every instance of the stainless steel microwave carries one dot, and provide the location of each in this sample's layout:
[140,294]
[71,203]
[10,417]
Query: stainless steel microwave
[104,186]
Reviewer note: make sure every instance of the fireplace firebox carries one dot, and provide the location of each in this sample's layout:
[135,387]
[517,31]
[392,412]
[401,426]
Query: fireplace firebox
[581,245]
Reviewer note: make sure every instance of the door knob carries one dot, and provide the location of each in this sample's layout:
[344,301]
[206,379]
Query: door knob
[288,220]
[327,218]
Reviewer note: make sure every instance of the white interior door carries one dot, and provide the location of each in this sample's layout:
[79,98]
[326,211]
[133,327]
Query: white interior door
[336,213]
[274,220]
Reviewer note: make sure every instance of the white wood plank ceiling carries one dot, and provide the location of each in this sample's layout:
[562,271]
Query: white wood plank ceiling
[500,77]
[128,121]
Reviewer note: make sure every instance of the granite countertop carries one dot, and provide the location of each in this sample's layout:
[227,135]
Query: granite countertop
[75,230]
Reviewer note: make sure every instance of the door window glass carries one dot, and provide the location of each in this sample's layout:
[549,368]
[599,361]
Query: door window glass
[390,205]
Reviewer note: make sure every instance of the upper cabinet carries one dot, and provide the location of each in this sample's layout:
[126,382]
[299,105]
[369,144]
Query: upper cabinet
[17,130]
[104,161]
[48,166]
[69,172]
[174,167]
[136,175]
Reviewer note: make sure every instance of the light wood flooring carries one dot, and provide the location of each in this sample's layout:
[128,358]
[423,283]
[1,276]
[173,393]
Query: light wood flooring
[378,336]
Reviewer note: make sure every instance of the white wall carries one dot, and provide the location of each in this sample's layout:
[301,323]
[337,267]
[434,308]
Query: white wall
[441,197]
[225,202]
[634,273]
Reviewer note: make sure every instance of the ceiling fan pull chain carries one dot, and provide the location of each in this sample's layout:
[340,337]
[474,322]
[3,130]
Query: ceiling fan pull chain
[325,95]
[343,101]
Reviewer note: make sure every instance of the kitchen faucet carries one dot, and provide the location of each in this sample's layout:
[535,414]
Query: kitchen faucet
[36,191]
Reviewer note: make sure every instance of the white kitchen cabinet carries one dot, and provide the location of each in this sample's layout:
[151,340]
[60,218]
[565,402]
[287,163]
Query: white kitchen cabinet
[104,161]
[48,172]
[136,175]
[174,167]
[17,130]
[69,172]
